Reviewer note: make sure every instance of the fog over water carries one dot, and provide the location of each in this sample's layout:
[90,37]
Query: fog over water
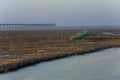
[102,65]
[57,27]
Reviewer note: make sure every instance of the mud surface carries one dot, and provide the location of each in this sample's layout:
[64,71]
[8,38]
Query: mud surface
[23,48]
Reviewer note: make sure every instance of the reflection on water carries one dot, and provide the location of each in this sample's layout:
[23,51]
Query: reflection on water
[103,65]
[108,33]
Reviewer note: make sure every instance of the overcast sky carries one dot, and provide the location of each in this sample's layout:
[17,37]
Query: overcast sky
[61,12]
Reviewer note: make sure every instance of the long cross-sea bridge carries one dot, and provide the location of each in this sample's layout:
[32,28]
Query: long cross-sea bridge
[26,26]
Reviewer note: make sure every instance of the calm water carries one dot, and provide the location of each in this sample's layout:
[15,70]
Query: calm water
[30,27]
[103,65]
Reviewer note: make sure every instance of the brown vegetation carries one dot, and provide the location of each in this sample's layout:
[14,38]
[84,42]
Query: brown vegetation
[22,48]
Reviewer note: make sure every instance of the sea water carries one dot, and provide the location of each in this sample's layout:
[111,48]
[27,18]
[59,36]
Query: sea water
[101,65]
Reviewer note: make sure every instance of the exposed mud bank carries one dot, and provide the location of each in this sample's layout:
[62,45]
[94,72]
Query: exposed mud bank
[22,49]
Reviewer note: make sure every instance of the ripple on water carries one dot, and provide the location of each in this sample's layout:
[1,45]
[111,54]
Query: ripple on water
[102,65]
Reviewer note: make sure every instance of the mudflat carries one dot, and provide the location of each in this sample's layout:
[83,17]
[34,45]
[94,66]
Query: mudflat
[23,48]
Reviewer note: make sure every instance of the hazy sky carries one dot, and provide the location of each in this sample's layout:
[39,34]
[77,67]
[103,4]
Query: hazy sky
[61,12]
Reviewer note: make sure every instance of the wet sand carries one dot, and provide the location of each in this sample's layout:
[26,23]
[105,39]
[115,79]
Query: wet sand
[23,48]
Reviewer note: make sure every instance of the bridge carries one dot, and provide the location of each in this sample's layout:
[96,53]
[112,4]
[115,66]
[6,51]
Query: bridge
[21,25]
[25,26]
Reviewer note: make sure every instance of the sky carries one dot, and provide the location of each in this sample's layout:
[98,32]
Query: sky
[61,12]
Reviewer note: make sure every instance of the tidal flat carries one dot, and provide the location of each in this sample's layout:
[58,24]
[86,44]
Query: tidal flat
[20,49]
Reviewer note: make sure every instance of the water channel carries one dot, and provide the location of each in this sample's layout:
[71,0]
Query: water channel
[101,65]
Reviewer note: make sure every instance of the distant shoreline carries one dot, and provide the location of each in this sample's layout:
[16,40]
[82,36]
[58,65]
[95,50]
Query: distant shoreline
[54,27]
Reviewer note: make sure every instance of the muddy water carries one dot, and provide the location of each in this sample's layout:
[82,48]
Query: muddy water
[102,65]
